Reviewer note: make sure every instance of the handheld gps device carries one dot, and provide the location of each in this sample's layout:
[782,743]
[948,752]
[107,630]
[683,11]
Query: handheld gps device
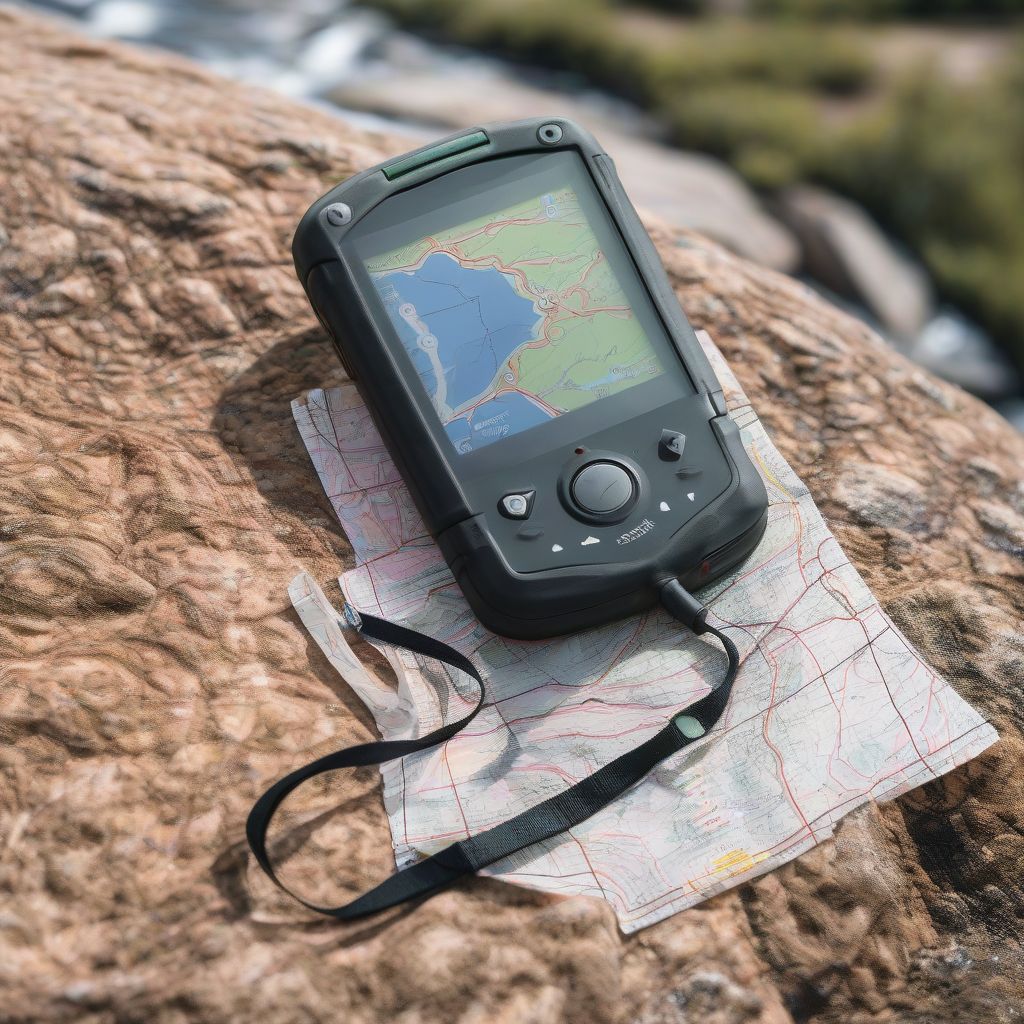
[506,317]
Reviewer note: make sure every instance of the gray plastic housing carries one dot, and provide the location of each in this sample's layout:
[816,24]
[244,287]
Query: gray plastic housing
[555,572]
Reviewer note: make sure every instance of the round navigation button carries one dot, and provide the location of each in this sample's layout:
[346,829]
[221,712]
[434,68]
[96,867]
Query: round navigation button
[516,505]
[602,488]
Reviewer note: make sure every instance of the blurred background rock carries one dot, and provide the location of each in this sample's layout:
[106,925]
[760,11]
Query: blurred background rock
[874,147]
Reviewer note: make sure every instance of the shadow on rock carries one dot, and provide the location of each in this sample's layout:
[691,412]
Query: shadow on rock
[254,422]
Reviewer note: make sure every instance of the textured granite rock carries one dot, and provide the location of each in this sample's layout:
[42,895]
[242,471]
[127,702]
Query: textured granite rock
[155,499]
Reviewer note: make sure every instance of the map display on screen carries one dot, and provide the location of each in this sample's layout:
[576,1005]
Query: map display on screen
[513,318]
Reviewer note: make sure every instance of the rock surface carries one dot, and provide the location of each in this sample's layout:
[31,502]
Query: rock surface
[155,499]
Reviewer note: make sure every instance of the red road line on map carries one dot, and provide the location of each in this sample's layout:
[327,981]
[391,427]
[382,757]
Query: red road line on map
[775,750]
[496,394]
[405,803]
[613,688]
[586,857]
[885,682]
[454,787]
[778,626]
[512,269]
[598,258]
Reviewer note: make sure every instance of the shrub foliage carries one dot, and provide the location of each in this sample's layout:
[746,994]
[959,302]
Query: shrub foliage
[784,97]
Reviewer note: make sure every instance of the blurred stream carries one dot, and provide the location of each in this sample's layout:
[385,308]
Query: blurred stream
[335,55]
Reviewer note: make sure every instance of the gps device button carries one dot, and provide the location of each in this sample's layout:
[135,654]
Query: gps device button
[671,445]
[516,505]
[602,488]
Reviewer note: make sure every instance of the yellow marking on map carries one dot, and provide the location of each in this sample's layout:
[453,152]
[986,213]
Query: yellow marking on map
[736,862]
[771,476]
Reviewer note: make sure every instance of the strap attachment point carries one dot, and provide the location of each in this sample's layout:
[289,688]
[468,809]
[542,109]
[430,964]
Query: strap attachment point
[352,618]
[689,726]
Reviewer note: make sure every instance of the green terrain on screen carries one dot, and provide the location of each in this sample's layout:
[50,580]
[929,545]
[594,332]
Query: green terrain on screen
[546,320]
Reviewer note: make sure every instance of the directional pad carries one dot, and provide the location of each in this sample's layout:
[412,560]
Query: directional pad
[670,447]
[602,488]
[517,505]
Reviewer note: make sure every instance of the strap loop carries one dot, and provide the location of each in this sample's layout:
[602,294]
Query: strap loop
[543,821]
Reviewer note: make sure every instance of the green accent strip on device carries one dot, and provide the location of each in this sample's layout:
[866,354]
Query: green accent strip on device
[406,164]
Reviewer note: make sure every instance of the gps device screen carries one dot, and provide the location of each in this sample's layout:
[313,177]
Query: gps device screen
[496,300]
[514,316]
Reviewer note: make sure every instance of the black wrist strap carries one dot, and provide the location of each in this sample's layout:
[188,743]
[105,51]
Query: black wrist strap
[544,820]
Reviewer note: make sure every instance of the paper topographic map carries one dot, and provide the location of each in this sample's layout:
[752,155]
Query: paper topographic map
[832,706]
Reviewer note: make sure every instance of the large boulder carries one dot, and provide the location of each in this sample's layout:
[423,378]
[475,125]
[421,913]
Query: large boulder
[155,499]
[846,251]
